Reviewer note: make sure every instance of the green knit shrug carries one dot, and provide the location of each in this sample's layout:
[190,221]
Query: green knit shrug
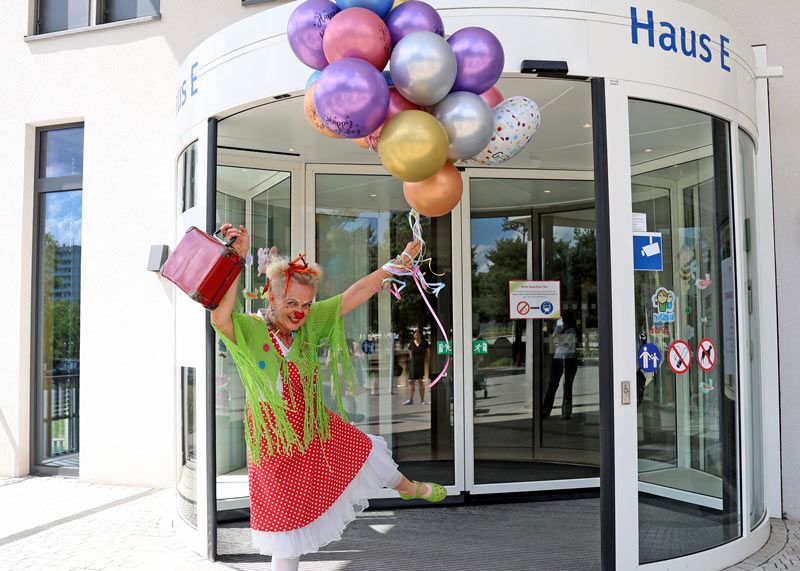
[259,370]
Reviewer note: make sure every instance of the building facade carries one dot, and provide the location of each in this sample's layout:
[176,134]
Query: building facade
[126,127]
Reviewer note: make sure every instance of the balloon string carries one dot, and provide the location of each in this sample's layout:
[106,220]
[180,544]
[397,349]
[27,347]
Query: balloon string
[443,372]
[395,284]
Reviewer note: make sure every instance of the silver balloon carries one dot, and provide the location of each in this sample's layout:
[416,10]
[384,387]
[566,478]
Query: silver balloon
[423,68]
[468,121]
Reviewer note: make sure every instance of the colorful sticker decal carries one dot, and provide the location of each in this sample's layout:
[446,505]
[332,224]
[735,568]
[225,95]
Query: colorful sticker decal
[664,304]
[703,283]
[649,358]
[707,355]
[679,357]
[707,386]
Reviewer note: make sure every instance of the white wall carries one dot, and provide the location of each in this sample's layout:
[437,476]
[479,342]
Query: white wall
[121,82]
[775,23]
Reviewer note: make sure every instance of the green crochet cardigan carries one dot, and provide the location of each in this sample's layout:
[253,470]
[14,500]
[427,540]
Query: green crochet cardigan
[259,371]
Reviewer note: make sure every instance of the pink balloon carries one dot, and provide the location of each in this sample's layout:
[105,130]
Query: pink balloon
[493,97]
[358,33]
[397,103]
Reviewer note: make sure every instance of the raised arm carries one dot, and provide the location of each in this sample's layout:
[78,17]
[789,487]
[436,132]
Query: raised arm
[221,316]
[369,285]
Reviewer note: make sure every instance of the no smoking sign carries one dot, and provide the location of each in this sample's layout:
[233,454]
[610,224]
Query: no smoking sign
[679,357]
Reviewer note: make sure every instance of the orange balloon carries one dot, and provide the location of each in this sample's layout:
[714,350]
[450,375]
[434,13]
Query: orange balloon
[437,195]
[362,142]
[311,114]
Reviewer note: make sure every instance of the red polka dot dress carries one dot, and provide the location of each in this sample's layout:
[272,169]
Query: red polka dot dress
[302,501]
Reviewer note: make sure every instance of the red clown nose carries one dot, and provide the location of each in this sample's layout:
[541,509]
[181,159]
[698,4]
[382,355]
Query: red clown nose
[299,315]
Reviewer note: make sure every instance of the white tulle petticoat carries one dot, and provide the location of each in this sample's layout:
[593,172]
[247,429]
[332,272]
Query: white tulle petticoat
[378,471]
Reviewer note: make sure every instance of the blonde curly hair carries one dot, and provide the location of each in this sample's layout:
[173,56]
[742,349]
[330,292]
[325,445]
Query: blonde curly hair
[275,267]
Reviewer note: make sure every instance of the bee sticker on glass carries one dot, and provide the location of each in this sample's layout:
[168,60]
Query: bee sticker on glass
[664,303]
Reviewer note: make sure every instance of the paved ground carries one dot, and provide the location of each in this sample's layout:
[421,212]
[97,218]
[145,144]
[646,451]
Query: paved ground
[62,524]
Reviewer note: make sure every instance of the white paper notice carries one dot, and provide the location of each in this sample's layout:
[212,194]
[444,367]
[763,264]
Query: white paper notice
[639,222]
[534,299]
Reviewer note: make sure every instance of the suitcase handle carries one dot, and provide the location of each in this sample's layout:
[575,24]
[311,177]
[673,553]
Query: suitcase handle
[230,242]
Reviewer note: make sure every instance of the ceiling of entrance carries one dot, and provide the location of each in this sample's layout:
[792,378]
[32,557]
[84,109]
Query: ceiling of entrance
[564,141]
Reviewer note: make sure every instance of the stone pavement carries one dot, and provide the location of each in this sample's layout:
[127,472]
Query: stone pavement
[782,551]
[63,524]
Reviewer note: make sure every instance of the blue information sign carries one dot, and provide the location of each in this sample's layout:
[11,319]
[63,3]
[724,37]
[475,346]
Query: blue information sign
[648,254]
[649,358]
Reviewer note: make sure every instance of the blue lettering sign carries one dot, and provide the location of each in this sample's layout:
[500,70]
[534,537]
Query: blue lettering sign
[183,94]
[668,39]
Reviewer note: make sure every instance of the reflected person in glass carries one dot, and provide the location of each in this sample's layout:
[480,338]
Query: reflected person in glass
[419,357]
[565,361]
[308,469]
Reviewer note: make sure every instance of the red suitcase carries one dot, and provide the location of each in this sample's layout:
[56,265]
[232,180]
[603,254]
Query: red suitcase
[203,267]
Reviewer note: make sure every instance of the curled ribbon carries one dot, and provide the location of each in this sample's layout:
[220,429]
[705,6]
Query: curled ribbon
[395,284]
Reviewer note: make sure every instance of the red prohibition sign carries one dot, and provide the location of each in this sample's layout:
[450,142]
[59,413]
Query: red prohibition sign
[679,357]
[707,355]
[523,307]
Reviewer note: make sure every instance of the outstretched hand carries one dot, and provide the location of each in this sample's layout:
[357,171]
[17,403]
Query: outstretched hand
[412,249]
[242,243]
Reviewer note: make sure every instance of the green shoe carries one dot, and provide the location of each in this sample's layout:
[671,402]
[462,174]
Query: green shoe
[438,493]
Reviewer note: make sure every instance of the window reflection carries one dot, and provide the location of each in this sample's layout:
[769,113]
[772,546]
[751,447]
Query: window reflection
[56,15]
[62,152]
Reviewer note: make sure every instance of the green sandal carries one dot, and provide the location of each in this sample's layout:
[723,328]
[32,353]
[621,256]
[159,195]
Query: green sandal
[438,493]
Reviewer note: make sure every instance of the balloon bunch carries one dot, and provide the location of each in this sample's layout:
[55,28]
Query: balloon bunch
[435,105]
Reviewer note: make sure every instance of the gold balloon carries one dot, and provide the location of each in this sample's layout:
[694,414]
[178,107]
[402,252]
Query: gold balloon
[311,114]
[396,4]
[413,146]
[437,195]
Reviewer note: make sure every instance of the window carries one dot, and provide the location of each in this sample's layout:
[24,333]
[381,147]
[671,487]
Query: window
[57,290]
[60,15]
[187,492]
[187,183]
[117,10]
[686,316]
[57,15]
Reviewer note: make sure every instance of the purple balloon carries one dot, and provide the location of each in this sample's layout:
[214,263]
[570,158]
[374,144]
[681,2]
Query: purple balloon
[479,57]
[306,26]
[413,16]
[351,97]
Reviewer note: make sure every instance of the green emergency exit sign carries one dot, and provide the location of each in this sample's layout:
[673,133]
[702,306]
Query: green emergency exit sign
[480,346]
[443,348]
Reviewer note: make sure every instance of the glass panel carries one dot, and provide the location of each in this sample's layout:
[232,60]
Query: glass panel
[362,221]
[55,15]
[540,231]
[58,329]
[686,331]
[753,424]
[187,176]
[61,153]
[116,10]
[259,199]
[187,478]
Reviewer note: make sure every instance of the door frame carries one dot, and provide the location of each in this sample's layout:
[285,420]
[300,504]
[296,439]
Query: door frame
[465,354]
[625,485]
[237,494]
[456,364]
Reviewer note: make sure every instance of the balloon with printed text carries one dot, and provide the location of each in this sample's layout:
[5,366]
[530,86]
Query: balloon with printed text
[306,29]
[351,98]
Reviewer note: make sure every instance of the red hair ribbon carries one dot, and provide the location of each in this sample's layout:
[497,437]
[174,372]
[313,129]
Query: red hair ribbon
[296,266]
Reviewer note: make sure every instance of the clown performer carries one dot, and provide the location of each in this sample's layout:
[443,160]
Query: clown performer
[309,470]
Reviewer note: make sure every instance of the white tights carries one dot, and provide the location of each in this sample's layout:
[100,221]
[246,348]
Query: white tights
[280,564]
